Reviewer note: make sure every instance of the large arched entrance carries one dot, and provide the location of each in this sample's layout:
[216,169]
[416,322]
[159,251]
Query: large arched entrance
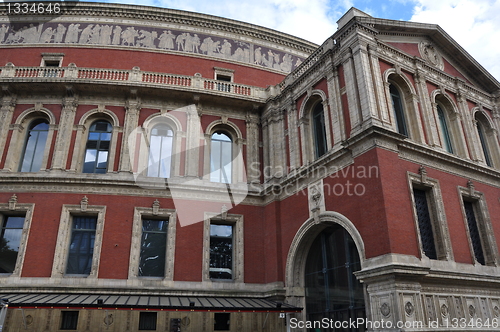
[331,288]
[324,255]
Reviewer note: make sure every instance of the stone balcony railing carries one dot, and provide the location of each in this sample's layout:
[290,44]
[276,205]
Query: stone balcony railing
[135,76]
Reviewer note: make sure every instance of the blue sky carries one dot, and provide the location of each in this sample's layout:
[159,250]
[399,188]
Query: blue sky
[474,24]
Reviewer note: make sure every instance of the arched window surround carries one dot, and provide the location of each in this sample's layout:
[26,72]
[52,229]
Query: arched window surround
[140,163]
[451,116]
[409,101]
[20,133]
[82,136]
[308,131]
[234,133]
[483,122]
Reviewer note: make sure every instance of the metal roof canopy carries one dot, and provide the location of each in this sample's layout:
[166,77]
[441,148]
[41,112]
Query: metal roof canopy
[138,302]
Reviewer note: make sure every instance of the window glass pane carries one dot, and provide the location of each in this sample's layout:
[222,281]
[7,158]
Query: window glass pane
[474,232]
[147,321]
[221,251]
[221,158]
[424,223]
[399,115]
[69,320]
[35,147]
[319,131]
[222,321]
[153,248]
[97,148]
[331,288]
[484,145]
[215,162]
[444,130]
[11,233]
[102,159]
[94,136]
[81,247]
[160,152]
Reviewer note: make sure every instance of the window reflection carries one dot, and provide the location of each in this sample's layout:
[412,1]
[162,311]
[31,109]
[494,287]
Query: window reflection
[35,146]
[221,157]
[97,149]
[160,151]
[10,240]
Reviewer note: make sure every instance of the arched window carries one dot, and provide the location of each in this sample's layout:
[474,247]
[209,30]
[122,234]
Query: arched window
[35,146]
[332,290]
[160,151]
[319,132]
[484,144]
[445,133]
[397,105]
[97,149]
[221,156]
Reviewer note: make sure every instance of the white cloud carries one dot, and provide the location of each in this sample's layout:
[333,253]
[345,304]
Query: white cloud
[474,24]
[313,20]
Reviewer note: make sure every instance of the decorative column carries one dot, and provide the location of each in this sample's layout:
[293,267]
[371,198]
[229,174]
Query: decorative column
[337,122]
[63,138]
[293,133]
[193,138]
[427,109]
[132,108]
[365,91]
[6,112]
[253,163]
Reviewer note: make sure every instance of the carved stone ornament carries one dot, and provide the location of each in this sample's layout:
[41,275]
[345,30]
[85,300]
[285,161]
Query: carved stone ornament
[409,308]
[84,203]
[156,207]
[431,54]
[472,310]
[385,310]
[12,202]
[496,311]
[444,310]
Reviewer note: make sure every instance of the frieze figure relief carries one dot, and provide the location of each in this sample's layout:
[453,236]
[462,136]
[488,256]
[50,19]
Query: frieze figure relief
[98,34]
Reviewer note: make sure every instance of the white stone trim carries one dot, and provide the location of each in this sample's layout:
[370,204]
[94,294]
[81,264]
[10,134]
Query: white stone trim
[64,238]
[409,101]
[25,209]
[82,130]
[238,168]
[236,221]
[442,241]
[135,249]
[19,136]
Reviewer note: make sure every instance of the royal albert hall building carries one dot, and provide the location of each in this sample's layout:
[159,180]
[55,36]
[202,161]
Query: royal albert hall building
[163,170]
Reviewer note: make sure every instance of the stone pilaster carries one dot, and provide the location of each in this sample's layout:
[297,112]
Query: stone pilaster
[192,141]
[132,107]
[6,112]
[253,163]
[64,133]
[427,108]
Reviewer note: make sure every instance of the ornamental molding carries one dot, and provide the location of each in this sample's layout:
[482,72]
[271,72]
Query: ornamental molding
[266,49]
[430,54]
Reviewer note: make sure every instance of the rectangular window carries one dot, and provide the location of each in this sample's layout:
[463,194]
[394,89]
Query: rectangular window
[221,321]
[424,223]
[81,248]
[221,251]
[153,248]
[475,237]
[147,321]
[69,320]
[11,232]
